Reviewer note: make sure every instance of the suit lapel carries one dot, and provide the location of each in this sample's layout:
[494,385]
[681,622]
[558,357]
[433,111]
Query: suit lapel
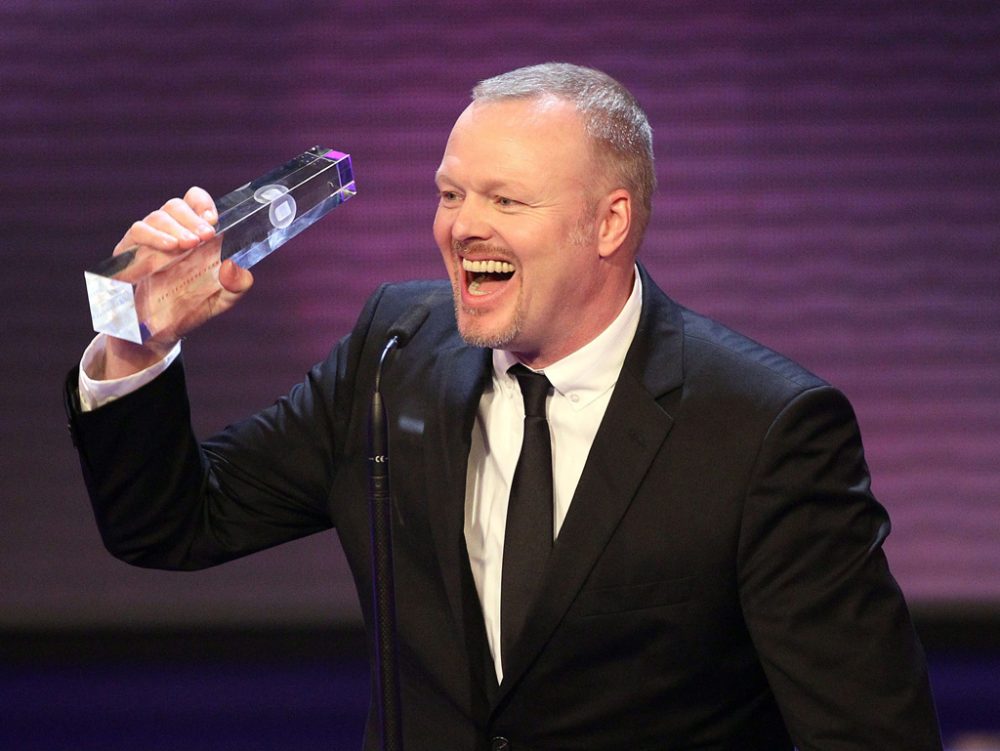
[630,436]
[458,380]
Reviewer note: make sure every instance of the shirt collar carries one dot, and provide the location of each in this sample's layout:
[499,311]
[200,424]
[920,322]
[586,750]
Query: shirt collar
[583,375]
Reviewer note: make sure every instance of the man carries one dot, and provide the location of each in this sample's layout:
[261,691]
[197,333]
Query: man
[713,577]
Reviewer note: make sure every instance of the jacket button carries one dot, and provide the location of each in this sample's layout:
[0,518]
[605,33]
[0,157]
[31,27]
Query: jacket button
[499,743]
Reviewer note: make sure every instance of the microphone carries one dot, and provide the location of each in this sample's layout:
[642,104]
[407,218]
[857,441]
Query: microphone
[408,323]
[380,510]
[398,337]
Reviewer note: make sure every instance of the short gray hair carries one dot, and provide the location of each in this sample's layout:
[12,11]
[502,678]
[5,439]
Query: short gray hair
[612,118]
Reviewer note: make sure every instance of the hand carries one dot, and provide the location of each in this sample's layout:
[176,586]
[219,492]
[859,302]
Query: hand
[178,225]
[162,236]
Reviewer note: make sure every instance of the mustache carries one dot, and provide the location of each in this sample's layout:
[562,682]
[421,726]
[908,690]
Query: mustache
[476,249]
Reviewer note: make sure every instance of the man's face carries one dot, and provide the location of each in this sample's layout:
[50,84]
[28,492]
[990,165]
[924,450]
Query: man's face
[516,226]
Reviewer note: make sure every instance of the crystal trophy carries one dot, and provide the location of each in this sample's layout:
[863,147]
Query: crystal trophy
[143,292]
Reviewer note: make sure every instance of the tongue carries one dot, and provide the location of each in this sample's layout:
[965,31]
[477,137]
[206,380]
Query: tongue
[485,284]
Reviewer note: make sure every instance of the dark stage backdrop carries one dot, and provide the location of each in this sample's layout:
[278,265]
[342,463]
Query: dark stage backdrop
[830,185]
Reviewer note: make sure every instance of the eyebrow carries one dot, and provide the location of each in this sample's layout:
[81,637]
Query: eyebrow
[492,185]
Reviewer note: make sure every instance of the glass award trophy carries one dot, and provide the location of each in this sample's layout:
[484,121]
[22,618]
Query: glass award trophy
[143,292]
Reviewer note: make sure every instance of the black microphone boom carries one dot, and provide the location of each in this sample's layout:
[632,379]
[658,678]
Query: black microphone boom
[408,324]
[380,509]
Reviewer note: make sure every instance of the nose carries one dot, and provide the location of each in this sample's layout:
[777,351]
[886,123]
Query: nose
[471,221]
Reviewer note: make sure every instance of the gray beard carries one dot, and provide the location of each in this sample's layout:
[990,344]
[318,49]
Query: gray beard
[497,340]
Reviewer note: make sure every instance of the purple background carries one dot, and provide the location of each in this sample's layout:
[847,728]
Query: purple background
[830,185]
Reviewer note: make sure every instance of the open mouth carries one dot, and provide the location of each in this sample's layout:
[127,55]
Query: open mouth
[486,277]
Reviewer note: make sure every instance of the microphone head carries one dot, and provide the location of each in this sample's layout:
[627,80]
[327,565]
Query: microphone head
[408,323]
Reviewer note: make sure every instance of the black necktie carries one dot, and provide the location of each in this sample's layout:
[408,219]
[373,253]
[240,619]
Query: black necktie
[528,536]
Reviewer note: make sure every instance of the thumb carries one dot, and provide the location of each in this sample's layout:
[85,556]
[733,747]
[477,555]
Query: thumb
[233,278]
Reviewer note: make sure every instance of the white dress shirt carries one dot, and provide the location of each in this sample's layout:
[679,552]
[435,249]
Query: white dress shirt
[96,393]
[582,385]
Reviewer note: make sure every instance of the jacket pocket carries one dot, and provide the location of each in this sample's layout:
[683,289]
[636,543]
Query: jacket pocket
[607,600]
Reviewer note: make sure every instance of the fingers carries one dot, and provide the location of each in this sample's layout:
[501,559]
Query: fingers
[179,224]
[177,220]
[234,279]
[202,204]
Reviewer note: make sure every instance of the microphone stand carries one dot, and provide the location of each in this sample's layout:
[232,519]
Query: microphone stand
[380,509]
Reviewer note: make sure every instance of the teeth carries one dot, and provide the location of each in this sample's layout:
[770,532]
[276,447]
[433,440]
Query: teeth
[487,267]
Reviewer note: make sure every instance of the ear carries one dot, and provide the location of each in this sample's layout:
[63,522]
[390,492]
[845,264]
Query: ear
[614,221]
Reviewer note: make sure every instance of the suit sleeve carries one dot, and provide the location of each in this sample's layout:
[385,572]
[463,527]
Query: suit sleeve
[827,618]
[162,500]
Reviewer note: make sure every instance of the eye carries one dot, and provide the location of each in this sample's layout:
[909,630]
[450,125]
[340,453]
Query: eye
[505,202]
[449,196]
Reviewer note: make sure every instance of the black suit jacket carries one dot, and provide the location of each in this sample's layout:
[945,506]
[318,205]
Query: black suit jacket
[718,582]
